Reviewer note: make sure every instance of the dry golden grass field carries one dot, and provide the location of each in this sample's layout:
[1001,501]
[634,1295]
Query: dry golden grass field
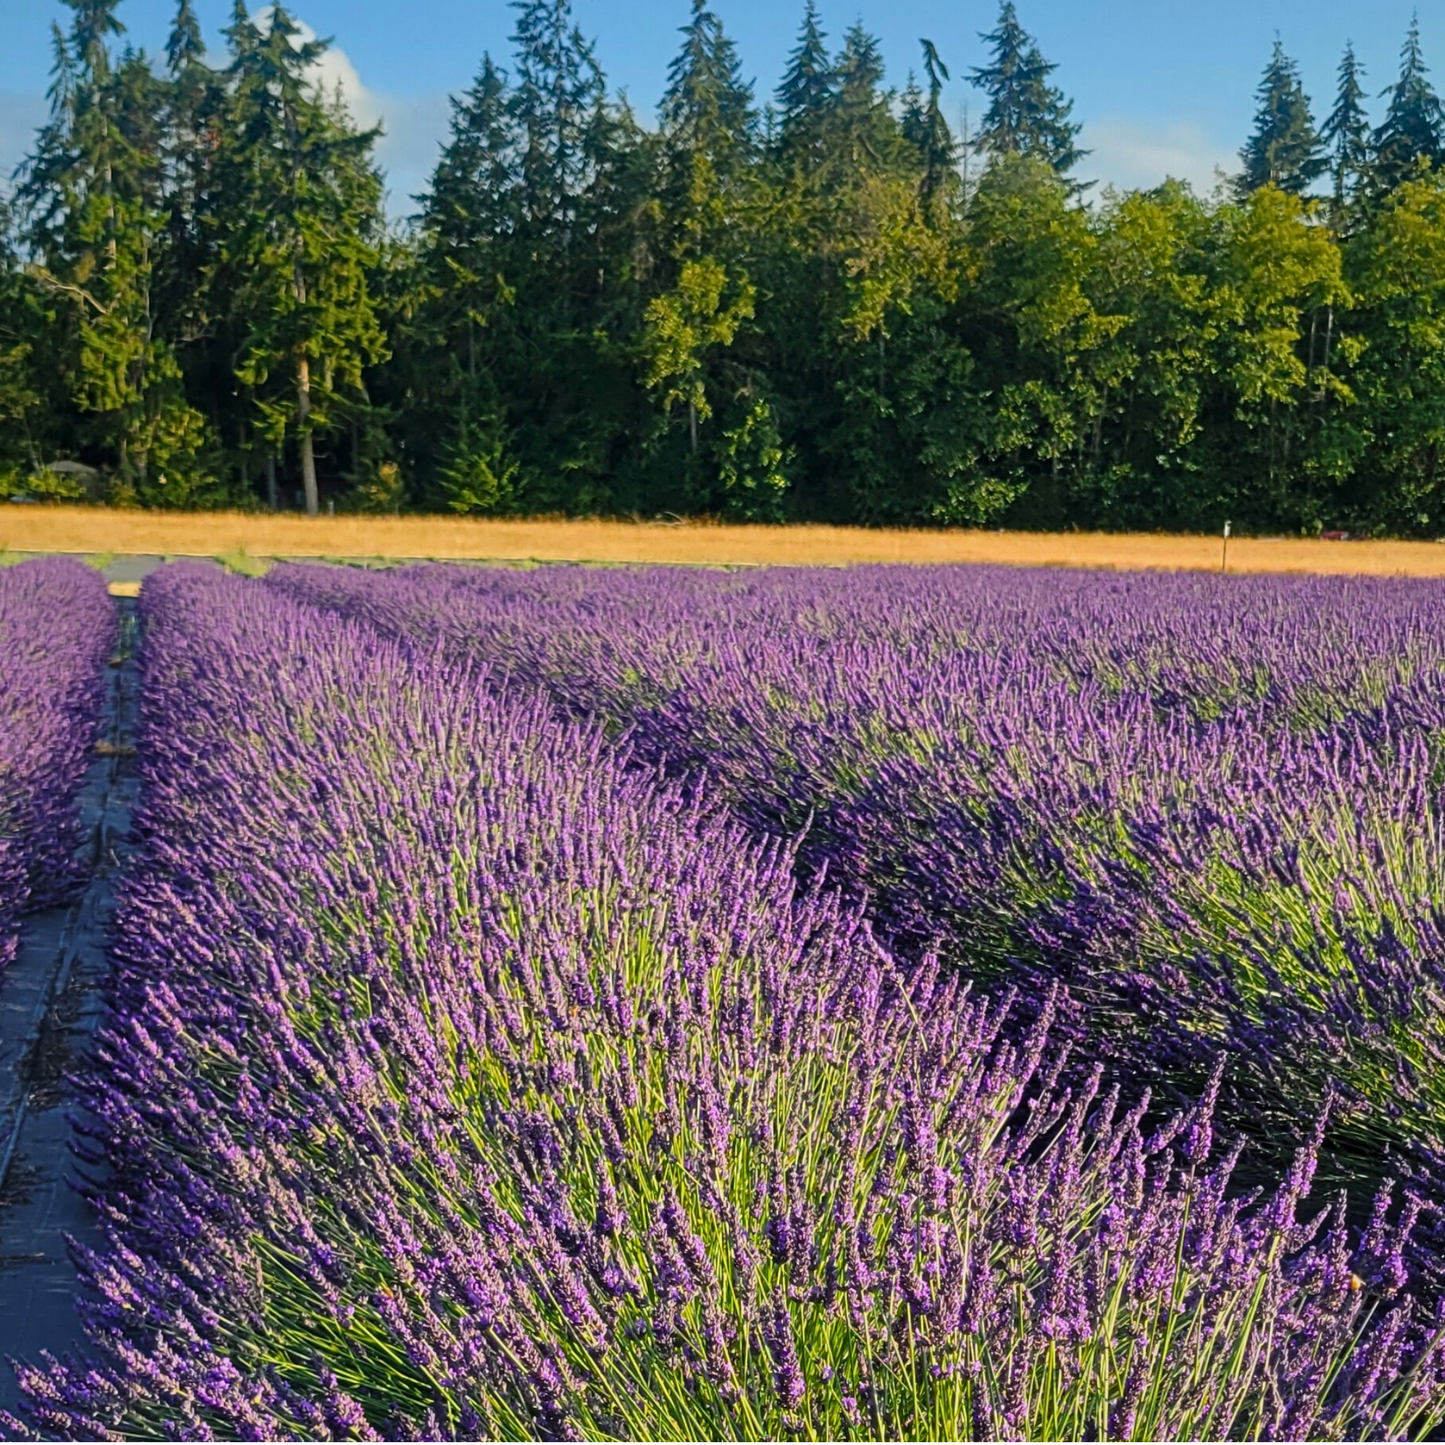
[217,534]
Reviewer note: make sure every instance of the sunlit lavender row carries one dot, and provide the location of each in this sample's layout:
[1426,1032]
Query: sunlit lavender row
[464,1077]
[1211,805]
[57,626]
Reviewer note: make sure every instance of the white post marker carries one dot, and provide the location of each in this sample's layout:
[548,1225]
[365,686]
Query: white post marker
[1224,556]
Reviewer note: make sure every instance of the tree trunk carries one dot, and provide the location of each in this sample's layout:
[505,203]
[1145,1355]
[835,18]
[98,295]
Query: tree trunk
[692,424]
[273,497]
[308,455]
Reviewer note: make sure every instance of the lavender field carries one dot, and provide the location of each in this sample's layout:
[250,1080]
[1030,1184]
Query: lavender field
[1211,808]
[887,1003]
[56,628]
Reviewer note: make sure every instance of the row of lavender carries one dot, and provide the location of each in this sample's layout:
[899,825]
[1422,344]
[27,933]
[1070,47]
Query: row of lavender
[466,1078]
[57,626]
[1213,806]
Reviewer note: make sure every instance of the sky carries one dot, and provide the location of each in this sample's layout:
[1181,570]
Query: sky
[1161,87]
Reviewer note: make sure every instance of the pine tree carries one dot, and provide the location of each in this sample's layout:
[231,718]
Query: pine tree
[1346,133]
[708,107]
[806,92]
[471,210]
[92,195]
[1414,125]
[1026,115]
[1285,150]
[924,124]
[472,192]
[297,223]
[862,131]
[555,99]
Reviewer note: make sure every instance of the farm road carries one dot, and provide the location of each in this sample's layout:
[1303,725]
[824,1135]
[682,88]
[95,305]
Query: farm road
[50,1003]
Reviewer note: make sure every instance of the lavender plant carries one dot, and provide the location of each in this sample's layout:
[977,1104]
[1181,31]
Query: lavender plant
[464,1077]
[56,627]
[1213,806]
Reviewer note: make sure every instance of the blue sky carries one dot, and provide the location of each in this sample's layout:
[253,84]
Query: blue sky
[1161,87]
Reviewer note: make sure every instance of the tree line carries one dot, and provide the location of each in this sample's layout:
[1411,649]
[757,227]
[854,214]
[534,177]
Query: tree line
[824,306]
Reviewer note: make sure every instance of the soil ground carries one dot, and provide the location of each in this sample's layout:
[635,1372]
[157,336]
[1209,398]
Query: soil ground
[94,530]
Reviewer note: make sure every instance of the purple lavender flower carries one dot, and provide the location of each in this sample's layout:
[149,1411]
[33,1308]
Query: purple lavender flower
[502,1143]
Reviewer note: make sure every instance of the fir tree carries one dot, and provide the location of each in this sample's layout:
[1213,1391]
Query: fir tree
[191,104]
[858,72]
[930,133]
[94,24]
[92,195]
[710,133]
[1414,125]
[861,125]
[1346,133]
[470,211]
[297,222]
[1026,115]
[806,92]
[1285,150]
[184,47]
[26,323]
[471,193]
[707,106]
[556,95]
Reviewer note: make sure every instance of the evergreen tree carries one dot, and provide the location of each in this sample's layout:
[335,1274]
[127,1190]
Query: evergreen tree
[1285,149]
[549,315]
[1026,115]
[192,102]
[296,223]
[1346,134]
[707,108]
[709,138]
[92,193]
[812,322]
[925,126]
[469,199]
[556,95]
[184,47]
[1414,125]
[470,211]
[806,93]
[861,121]
[26,323]
[1397,264]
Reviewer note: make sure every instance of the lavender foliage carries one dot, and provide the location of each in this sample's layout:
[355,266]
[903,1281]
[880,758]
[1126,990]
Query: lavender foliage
[56,627]
[466,1078]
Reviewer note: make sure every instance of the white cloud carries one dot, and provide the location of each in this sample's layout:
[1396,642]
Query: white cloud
[1132,155]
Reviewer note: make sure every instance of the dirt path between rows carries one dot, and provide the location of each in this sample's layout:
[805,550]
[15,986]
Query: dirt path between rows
[50,1002]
